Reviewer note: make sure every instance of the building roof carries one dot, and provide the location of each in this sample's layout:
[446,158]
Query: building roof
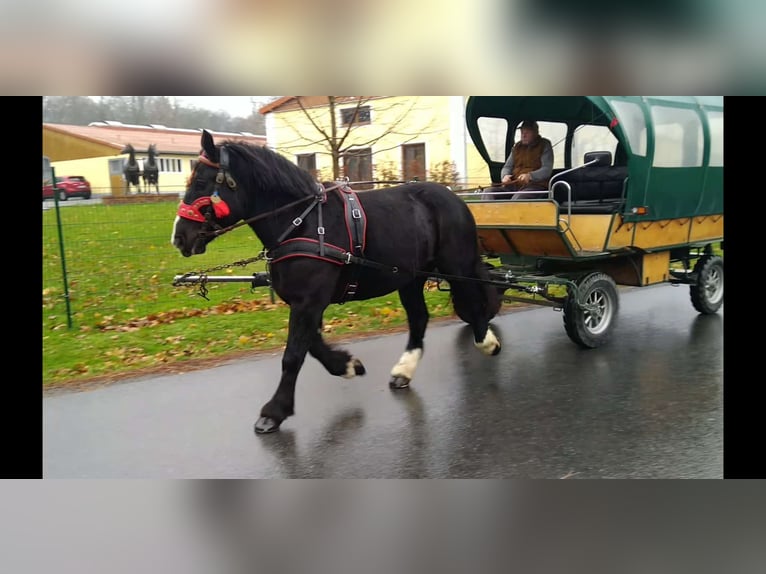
[167,140]
[271,106]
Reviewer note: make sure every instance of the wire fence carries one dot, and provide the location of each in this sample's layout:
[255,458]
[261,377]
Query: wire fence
[110,260]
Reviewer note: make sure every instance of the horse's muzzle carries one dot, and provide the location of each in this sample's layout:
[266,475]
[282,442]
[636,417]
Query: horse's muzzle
[198,247]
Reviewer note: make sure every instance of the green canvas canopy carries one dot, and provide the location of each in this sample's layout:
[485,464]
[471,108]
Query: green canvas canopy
[672,145]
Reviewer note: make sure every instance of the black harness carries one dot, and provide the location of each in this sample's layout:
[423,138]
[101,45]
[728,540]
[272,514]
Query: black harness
[356,226]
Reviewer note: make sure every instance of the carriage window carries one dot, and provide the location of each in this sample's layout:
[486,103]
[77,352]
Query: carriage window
[715,119]
[494,132]
[557,133]
[678,138]
[633,125]
[591,138]
[354,116]
[308,162]
[357,166]
[414,162]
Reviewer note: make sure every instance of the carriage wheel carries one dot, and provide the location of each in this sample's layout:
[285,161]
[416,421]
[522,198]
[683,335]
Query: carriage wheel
[707,294]
[590,325]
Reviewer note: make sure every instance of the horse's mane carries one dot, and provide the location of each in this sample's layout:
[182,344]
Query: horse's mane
[269,171]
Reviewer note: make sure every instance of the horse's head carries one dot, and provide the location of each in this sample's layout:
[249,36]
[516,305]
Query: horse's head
[210,202]
[128,149]
[152,151]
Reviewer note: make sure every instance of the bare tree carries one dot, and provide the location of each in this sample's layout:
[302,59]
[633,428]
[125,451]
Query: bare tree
[337,140]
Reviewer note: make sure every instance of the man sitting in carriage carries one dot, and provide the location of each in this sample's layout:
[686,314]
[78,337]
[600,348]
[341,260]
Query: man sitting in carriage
[530,163]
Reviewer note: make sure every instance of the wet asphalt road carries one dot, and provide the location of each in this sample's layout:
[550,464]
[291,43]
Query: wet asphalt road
[647,405]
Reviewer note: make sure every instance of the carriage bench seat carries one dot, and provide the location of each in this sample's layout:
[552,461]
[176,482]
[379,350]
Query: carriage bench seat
[598,188]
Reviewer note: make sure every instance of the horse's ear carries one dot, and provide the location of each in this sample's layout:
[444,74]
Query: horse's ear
[208,146]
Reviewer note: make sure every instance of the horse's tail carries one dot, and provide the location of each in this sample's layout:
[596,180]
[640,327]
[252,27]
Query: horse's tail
[488,296]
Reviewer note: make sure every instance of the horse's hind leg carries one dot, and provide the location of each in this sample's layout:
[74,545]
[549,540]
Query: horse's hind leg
[337,361]
[414,304]
[477,304]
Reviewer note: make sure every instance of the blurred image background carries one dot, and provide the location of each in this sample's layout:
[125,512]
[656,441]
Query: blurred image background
[376,527]
[525,47]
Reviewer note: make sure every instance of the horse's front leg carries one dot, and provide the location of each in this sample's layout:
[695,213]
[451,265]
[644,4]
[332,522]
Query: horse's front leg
[305,319]
[414,304]
[337,361]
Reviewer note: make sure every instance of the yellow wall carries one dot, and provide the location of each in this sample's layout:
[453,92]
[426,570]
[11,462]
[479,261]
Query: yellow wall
[96,171]
[477,172]
[63,147]
[432,120]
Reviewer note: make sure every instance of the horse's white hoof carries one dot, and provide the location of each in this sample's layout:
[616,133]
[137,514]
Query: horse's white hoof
[354,368]
[490,346]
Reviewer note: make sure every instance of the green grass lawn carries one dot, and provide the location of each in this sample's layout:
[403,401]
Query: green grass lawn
[127,315]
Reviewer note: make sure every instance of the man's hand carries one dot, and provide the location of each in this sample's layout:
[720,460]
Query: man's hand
[524,179]
[506,179]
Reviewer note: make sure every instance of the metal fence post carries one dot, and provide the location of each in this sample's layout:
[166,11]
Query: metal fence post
[61,248]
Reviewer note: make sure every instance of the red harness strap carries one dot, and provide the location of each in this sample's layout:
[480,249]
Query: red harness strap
[193,212]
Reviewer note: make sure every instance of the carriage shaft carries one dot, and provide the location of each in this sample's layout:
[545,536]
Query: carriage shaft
[256,279]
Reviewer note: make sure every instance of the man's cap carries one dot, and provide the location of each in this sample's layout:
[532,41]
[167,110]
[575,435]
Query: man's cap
[531,124]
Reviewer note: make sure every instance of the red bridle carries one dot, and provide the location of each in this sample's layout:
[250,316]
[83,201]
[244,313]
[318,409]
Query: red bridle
[192,212]
[220,208]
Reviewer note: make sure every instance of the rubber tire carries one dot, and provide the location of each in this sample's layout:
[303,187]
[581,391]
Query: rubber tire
[707,294]
[583,328]
[62,195]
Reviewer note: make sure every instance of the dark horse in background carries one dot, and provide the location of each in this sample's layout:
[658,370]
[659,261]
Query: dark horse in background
[151,170]
[131,170]
[317,257]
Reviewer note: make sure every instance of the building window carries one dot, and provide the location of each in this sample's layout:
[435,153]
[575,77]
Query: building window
[354,116]
[357,166]
[170,165]
[414,162]
[308,162]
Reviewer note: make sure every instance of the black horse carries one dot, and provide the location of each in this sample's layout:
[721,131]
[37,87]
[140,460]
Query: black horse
[131,170]
[330,246]
[151,170]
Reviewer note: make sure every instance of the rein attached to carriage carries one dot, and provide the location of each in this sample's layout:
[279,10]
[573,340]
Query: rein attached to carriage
[221,209]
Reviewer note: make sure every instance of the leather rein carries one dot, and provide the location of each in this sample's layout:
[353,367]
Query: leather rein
[221,209]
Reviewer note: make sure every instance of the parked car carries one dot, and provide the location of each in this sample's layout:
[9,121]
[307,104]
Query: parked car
[68,186]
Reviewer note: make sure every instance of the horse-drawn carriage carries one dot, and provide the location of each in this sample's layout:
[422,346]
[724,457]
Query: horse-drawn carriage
[636,199]
[643,206]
